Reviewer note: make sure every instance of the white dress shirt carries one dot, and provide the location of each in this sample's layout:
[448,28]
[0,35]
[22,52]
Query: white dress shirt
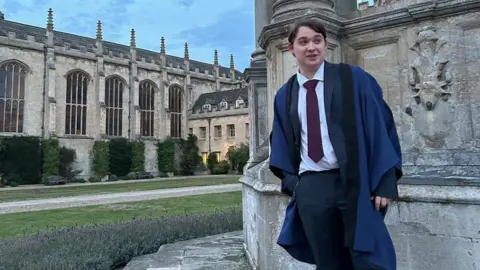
[329,160]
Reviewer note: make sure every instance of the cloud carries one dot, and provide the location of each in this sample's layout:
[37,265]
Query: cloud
[205,24]
[13,6]
[231,33]
[185,3]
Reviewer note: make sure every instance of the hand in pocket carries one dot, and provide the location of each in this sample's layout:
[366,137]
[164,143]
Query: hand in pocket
[289,183]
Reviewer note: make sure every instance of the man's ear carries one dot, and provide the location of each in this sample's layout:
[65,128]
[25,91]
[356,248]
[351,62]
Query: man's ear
[290,49]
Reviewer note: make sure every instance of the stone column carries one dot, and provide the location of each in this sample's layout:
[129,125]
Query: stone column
[263,204]
[256,77]
[263,15]
[134,125]
[50,117]
[345,6]
[100,83]
[287,9]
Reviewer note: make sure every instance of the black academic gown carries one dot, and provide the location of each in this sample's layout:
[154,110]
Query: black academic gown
[364,137]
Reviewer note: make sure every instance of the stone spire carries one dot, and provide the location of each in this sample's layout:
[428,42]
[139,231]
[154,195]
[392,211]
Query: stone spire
[99,30]
[50,20]
[162,46]
[2,17]
[232,68]
[186,54]
[215,58]
[232,63]
[133,43]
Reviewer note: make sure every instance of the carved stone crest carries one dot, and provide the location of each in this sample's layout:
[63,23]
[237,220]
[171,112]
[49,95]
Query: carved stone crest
[430,80]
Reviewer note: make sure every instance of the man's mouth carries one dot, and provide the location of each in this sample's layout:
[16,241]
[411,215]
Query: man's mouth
[312,56]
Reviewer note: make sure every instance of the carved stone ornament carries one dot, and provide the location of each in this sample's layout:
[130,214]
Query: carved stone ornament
[430,81]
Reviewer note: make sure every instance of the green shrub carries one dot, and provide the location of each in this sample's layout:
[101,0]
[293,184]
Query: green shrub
[100,158]
[94,179]
[166,155]
[78,180]
[51,156]
[120,158]
[189,157]
[113,245]
[212,160]
[67,158]
[138,156]
[21,159]
[223,167]
[238,157]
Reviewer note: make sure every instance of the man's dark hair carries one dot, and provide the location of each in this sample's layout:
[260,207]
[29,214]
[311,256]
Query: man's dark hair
[313,24]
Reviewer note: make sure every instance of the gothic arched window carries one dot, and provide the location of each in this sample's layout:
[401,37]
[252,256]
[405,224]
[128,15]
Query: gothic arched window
[175,106]
[76,103]
[147,108]
[12,96]
[114,105]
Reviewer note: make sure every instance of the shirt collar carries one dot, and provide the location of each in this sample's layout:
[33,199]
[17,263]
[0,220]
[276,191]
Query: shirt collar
[318,75]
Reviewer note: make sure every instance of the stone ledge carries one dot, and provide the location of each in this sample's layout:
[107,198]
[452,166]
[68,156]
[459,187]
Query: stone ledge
[336,25]
[434,190]
[223,251]
[440,194]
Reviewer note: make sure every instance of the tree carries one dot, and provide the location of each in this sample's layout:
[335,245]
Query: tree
[190,158]
[238,157]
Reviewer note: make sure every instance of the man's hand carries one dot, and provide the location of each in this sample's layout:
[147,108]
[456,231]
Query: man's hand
[380,202]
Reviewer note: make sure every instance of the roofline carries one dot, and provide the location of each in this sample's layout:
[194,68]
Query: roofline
[114,43]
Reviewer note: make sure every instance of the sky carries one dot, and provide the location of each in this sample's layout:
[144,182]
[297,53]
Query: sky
[205,24]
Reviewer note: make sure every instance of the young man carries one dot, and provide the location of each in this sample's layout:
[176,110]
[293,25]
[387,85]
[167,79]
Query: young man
[335,147]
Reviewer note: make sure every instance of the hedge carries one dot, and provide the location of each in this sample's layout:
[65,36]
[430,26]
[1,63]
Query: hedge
[120,156]
[21,159]
[107,246]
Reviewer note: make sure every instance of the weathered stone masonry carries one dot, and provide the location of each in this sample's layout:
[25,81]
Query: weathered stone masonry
[81,89]
[425,55]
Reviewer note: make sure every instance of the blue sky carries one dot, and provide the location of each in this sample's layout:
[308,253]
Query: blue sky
[205,24]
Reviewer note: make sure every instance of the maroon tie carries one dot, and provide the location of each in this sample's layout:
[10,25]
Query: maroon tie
[315,148]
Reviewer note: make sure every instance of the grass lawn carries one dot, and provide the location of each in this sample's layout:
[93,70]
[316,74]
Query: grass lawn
[18,224]
[125,186]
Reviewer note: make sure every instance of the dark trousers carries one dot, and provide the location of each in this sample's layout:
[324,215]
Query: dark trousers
[321,203]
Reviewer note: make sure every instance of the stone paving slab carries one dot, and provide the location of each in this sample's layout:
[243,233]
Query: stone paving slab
[99,199]
[217,252]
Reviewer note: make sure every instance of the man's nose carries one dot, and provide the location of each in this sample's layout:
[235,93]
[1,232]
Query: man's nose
[310,46]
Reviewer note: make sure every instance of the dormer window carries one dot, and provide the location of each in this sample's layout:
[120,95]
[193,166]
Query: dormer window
[239,102]
[207,107]
[223,104]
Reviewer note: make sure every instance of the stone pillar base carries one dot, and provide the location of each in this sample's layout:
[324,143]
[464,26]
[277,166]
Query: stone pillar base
[263,213]
[436,226]
[433,226]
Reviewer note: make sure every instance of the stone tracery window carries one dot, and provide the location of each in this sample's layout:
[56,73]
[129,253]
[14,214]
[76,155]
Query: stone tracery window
[12,96]
[175,106]
[147,108]
[114,105]
[76,103]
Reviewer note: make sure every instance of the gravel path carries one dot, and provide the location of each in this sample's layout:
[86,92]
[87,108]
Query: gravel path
[85,200]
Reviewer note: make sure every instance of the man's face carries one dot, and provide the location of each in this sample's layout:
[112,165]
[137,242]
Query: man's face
[309,47]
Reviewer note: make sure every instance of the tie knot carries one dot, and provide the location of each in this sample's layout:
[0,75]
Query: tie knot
[311,84]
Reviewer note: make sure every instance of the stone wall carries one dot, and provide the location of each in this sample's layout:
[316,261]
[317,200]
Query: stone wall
[99,60]
[425,57]
[210,143]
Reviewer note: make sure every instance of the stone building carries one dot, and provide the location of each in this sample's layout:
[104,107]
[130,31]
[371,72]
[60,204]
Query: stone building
[425,55]
[219,120]
[82,89]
